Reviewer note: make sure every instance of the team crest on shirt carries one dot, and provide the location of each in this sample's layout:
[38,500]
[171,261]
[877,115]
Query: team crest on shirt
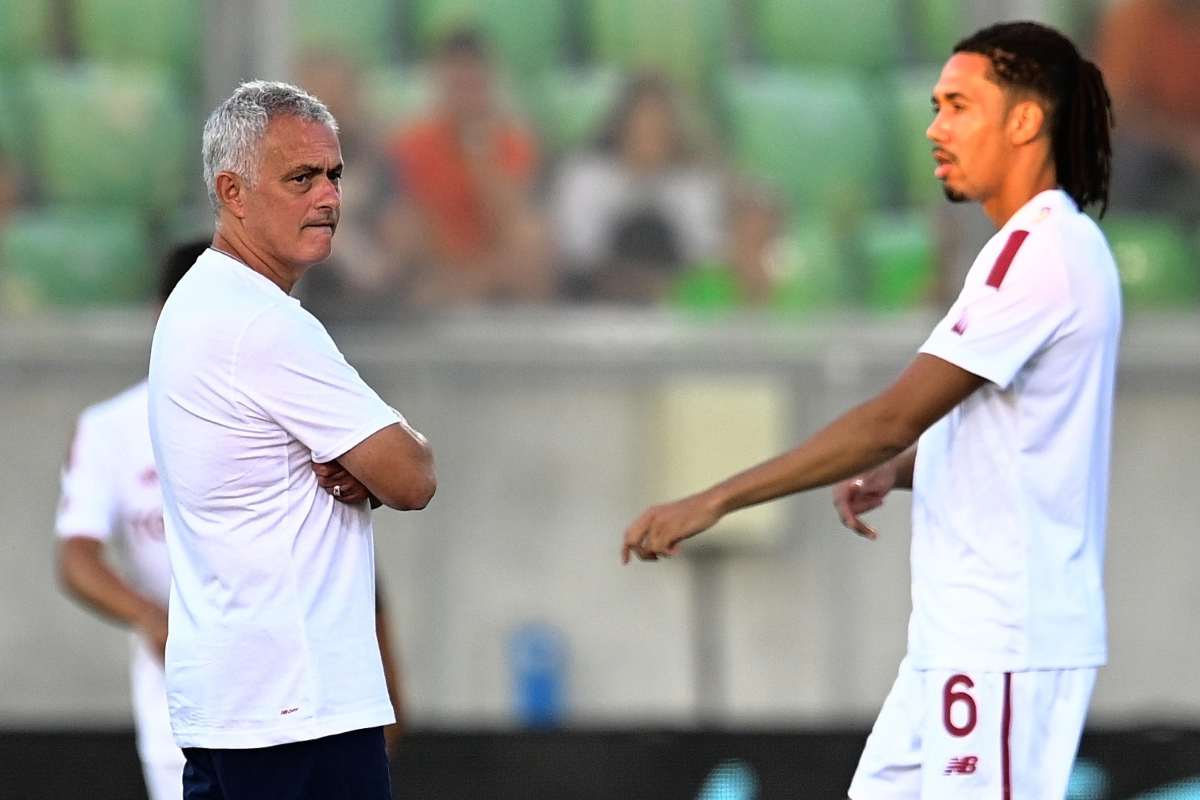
[148,477]
[1043,214]
[960,327]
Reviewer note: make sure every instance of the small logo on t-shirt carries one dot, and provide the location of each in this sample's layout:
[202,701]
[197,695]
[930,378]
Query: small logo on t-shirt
[964,765]
[149,476]
[960,327]
[287,711]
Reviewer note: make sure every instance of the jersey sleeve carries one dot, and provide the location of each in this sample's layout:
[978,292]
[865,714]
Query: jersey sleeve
[89,504]
[997,326]
[289,369]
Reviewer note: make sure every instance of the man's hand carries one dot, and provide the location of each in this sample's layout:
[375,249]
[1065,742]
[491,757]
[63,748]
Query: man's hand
[861,494]
[344,487]
[661,529]
[151,623]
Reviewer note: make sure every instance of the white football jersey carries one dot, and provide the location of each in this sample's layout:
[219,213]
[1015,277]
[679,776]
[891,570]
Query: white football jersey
[1010,489]
[110,492]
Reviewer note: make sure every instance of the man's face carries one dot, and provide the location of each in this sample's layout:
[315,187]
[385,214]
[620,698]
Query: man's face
[294,206]
[968,130]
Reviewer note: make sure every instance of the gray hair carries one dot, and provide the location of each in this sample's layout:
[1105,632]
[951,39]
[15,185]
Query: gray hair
[235,129]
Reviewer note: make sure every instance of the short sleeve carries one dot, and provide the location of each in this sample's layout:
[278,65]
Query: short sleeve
[89,504]
[289,369]
[996,326]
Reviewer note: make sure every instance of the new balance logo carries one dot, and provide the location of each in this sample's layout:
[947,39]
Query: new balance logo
[961,766]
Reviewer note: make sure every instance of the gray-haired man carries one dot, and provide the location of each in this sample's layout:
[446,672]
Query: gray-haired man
[271,452]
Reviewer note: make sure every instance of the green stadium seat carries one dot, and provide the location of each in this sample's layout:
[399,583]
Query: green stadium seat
[1160,268]
[161,33]
[688,40]
[938,26]
[574,104]
[811,269]
[75,257]
[817,136]
[132,149]
[841,33]
[527,34]
[24,31]
[14,117]
[391,95]
[913,150]
[365,31]
[901,260]
[707,289]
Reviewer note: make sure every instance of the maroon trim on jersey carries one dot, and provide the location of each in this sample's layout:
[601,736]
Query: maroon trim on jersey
[1005,730]
[1004,261]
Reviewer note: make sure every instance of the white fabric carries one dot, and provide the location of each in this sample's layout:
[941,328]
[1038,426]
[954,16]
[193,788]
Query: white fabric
[594,192]
[912,753]
[1010,489]
[110,492]
[110,489]
[272,626]
[162,761]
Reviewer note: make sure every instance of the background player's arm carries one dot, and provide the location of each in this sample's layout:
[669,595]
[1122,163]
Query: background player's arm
[396,466]
[391,668]
[84,574]
[863,438]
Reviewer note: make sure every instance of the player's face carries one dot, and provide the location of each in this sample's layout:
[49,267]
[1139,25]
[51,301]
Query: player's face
[294,206]
[968,130]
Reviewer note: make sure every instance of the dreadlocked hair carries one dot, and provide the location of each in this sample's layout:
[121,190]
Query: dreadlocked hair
[1030,57]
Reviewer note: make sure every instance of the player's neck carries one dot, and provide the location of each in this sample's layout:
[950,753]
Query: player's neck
[239,249]
[1019,187]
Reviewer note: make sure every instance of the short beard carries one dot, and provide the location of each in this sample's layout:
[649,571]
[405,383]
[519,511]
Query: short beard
[953,196]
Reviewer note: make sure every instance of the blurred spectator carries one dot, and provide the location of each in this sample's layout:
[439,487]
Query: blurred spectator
[464,218]
[361,279]
[1149,51]
[641,204]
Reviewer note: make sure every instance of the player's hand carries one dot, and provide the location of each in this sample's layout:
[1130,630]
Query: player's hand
[344,487]
[151,623]
[863,493]
[660,530]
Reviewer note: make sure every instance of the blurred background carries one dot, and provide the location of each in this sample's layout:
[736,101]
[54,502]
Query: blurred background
[601,252]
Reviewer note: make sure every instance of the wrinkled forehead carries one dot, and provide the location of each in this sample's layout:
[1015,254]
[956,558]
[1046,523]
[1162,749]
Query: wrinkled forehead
[293,140]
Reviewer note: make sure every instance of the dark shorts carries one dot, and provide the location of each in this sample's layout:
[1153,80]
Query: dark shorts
[351,765]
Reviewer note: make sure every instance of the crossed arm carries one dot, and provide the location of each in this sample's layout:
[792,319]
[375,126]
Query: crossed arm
[875,441]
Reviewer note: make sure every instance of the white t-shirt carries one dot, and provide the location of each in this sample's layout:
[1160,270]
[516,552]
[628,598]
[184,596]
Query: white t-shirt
[1010,491]
[110,492]
[272,612]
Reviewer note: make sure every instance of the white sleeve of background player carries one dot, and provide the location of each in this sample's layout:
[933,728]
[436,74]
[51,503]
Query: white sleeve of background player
[289,370]
[997,326]
[89,503]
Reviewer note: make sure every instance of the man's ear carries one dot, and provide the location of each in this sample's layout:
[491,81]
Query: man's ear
[231,193]
[1026,121]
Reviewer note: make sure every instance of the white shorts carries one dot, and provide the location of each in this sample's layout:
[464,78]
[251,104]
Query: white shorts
[945,734]
[162,761]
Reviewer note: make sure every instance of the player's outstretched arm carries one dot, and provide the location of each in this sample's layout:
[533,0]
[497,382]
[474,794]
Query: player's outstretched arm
[861,439]
[86,576]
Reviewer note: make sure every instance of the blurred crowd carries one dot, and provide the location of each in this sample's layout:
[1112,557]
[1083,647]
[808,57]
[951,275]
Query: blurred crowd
[467,186]
[463,204]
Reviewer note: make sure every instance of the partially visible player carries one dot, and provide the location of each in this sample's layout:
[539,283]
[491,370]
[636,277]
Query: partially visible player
[1011,401]
[110,495]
